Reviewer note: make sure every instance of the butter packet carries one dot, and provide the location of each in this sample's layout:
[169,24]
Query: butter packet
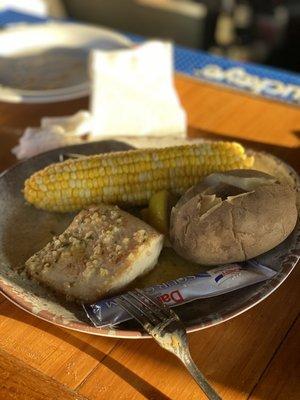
[207,284]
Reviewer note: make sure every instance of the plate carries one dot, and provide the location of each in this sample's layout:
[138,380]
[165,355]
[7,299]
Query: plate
[24,230]
[48,62]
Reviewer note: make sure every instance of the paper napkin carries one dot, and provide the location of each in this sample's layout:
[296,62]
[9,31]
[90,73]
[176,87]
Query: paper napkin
[54,132]
[132,94]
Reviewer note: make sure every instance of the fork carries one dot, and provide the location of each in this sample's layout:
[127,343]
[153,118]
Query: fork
[166,328]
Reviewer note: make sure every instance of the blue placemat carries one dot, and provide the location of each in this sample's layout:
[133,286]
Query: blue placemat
[255,79]
[14,17]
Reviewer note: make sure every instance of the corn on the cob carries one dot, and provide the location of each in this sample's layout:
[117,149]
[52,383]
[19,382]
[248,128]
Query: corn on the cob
[131,177]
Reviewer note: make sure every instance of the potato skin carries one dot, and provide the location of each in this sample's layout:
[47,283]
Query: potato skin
[237,228]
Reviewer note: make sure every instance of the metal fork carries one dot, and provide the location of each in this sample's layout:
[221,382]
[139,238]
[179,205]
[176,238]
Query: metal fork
[166,328]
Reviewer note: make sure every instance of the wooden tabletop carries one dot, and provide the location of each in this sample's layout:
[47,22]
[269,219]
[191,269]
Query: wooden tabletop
[253,356]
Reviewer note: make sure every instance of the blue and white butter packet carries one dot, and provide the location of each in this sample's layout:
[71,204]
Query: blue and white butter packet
[211,283]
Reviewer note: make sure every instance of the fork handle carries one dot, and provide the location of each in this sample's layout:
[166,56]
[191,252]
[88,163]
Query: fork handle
[199,378]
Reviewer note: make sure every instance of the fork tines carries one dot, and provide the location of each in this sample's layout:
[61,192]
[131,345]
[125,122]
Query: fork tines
[148,311]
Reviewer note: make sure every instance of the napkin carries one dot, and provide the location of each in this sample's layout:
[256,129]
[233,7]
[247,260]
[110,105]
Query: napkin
[54,132]
[132,94]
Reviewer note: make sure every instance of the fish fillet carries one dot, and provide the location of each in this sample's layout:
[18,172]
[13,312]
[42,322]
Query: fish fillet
[101,252]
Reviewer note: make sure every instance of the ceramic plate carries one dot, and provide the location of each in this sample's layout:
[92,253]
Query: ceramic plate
[24,230]
[48,62]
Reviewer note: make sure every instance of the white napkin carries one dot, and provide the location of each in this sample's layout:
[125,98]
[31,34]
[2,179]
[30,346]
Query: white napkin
[54,132]
[132,95]
[133,92]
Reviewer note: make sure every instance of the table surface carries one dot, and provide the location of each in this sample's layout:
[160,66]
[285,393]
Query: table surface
[253,356]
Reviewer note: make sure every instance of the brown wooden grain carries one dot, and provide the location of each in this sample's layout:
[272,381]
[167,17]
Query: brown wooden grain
[239,115]
[2,298]
[59,353]
[281,379]
[237,356]
[20,382]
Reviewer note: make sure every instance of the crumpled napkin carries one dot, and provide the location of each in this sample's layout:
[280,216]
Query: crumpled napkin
[132,94]
[54,132]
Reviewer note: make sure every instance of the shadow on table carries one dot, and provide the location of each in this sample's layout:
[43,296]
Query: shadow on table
[138,383]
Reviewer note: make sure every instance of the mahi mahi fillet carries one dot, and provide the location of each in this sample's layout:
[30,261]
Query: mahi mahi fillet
[101,252]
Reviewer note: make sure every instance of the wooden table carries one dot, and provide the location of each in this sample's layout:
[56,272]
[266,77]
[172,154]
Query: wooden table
[253,356]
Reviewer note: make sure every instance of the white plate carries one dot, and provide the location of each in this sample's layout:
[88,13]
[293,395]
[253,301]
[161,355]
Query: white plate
[47,62]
